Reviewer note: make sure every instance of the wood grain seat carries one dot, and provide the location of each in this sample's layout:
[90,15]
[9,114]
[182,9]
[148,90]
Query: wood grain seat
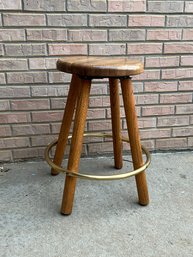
[99,67]
[119,72]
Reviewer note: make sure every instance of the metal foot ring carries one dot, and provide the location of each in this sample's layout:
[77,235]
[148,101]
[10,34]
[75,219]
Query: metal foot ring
[97,177]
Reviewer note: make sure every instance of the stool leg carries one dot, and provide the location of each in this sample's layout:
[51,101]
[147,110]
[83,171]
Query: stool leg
[66,122]
[116,122]
[76,146]
[133,132]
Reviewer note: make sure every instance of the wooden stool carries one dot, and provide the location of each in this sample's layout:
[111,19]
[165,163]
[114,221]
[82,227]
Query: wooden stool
[83,70]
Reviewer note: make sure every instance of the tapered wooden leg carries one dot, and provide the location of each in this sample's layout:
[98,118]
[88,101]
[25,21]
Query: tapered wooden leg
[66,122]
[116,122]
[76,146]
[133,132]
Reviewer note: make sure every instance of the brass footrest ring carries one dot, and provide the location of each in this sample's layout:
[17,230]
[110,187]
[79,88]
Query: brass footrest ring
[97,177]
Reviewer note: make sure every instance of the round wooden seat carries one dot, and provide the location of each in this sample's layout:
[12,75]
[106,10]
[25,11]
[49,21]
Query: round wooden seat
[99,67]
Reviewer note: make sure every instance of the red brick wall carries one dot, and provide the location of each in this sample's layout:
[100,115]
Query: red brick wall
[34,34]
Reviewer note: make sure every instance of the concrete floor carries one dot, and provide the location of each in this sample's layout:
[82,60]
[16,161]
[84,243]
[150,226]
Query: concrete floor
[106,219]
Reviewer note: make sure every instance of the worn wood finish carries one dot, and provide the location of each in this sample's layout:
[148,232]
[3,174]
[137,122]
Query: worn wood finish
[76,146]
[116,122]
[133,132]
[99,67]
[66,122]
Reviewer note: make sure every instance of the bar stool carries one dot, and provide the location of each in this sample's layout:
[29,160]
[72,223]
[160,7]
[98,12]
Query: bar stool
[84,69]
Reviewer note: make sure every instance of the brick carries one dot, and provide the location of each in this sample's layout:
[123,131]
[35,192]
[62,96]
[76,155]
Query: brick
[90,140]
[2,78]
[172,121]
[160,86]
[168,61]
[191,119]
[99,125]
[127,6]
[164,34]
[126,35]
[87,6]
[177,73]
[144,48]
[46,34]
[45,91]
[181,47]
[67,20]
[183,132]
[146,122]
[98,89]
[146,20]
[26,77]
[28,153]
[29,104]
[107,49]
[10,5]
[107,20]
[165,6]
[25,49]
[138,87]
[95,114]
[42,63]
[5,131]
[1,50]
[185,85]
[58,103]
[149,75]
[59,77]
[186,60]
[21,19]
[12,35]
[157,110]
[49,116]
[190,141]
[30,129]
[55,128]
[15,92]
[87,35]
[100,101]
[42,140]
[154,133]
[188,6]
[122,112]
[146,99]
[180,21]
[99,148]
[4,105]
[14,142]
[67,49]
[143,123]
[184,109]
[5,156]
[149,144]
[14,117]
[13,64]
[176,98]
[187,34]
[42,5]
[173,143]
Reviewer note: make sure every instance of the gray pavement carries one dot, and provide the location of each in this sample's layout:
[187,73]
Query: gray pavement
[106,219]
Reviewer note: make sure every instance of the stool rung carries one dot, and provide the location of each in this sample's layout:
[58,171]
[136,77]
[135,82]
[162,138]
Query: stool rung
[97,177]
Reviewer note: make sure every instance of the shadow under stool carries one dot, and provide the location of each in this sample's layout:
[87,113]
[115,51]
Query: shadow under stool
[84,69]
